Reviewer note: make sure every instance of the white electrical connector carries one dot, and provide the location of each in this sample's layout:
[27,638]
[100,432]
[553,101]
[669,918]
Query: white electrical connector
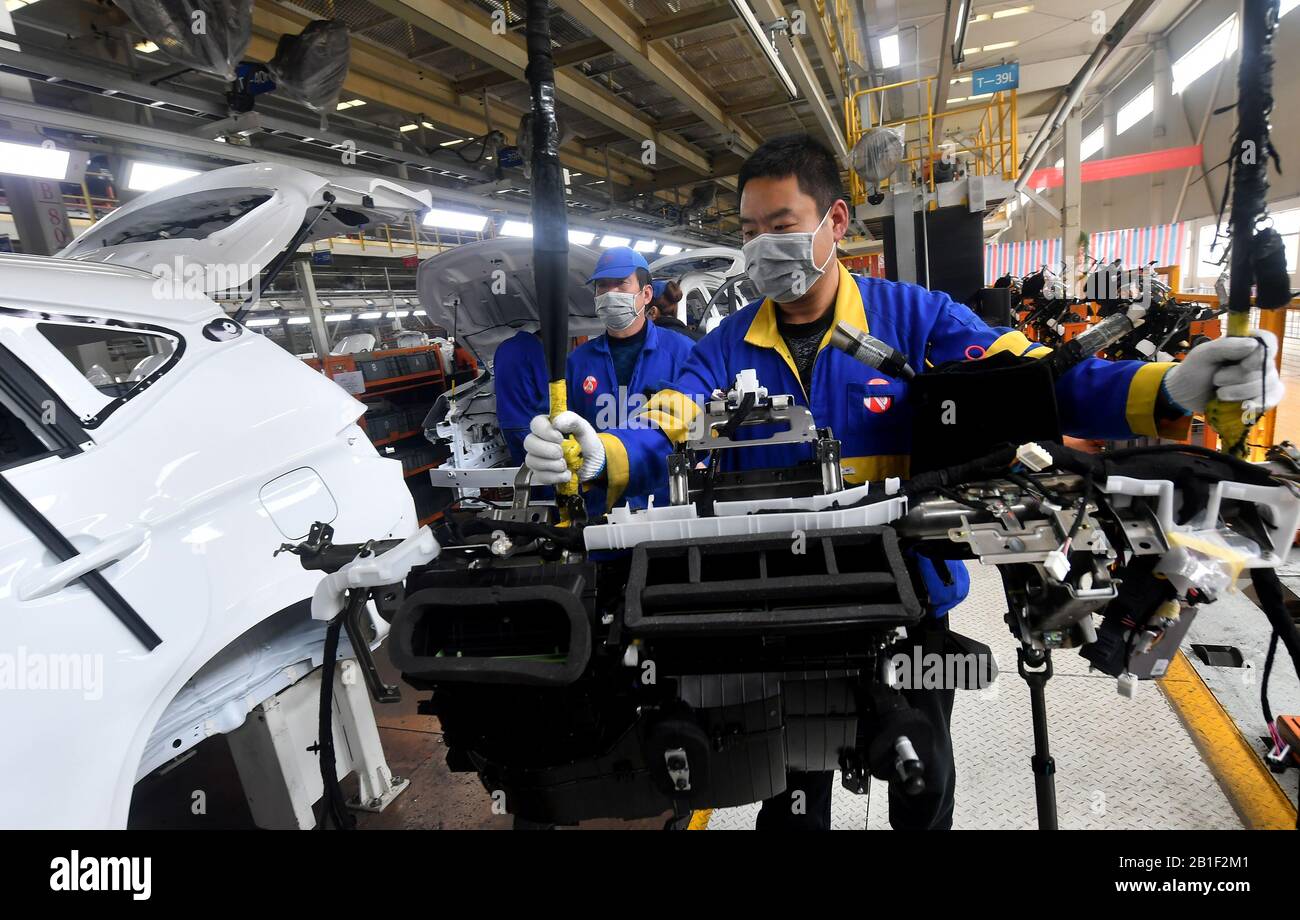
[747,382]
[1127,685]
[1057,565]
[1033,456]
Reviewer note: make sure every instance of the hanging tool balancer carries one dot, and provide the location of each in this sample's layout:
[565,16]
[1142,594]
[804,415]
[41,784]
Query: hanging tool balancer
[1257,256]
[550,233]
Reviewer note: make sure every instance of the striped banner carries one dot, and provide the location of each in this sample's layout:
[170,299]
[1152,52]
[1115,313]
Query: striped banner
[1135,248]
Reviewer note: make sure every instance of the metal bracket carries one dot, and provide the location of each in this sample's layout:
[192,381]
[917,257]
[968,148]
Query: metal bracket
[800,428]
[679,769]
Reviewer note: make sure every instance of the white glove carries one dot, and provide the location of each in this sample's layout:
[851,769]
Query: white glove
[1233,369]
[545,451]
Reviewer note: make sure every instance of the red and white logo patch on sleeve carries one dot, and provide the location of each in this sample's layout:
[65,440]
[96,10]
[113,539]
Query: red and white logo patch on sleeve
[589,385]
[877,403]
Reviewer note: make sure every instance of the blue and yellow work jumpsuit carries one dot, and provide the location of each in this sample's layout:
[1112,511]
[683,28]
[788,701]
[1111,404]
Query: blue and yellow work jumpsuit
[868,411]
[593,393]
[519,369]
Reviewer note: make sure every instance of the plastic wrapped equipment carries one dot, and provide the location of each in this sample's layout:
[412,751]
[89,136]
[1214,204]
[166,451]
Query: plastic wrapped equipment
[208,35]
[877,154]
[312,66]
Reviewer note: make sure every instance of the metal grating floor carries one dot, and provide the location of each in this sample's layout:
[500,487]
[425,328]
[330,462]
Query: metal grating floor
[1120,764]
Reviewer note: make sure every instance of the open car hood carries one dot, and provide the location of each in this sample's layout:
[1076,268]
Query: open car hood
[458,288]
[238,219]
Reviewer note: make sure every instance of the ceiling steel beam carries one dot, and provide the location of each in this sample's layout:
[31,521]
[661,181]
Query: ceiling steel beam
[801,70]
[943,81]
[468,30]
[384,77]
[816,28]
[675,25]
[620,28]
[770,101]
[565,56]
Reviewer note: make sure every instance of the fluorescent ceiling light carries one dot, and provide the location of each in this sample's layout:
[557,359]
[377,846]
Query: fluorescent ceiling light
[456,220]
[459,140]
[1213,49]
[338,317]
[609,241]
[420,313]
[516,228]
[34,161]
[273,321]
[646,246]
[1136,109]
[408,127]
[1012,11]
[998,46]
[146,47]
[145,177]
[669,250]
[398,314]
[373,315]
[888,47]
[959,39]
[581,237]
[299,320]
[350,104]
[765,43]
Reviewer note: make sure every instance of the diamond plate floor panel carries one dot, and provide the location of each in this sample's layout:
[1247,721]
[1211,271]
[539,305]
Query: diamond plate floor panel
[1120,763]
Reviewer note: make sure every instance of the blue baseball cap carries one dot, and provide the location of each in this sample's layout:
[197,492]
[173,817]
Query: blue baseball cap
[618,262]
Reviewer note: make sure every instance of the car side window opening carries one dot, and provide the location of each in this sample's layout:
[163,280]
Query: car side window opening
[697,301]
[21,439]
[34,422]
[115,360]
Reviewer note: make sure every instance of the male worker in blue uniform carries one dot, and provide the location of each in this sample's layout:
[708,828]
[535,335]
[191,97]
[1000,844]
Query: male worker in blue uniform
[611,376]
[792,214]
[519,369]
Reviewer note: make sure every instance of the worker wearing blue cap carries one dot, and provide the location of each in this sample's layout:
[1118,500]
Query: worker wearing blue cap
[611,376]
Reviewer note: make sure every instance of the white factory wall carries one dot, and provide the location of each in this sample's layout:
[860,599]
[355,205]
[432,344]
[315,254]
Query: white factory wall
[1140,201]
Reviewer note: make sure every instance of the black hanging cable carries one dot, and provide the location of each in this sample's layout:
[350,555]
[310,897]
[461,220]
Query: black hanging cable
[333,807]
[1263,684]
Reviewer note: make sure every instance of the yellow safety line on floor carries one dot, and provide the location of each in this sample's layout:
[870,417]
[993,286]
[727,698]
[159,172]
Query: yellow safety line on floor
[1231,757]
[700,820]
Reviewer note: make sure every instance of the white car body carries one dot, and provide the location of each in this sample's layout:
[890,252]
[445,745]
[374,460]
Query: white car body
[178,492]
[701,273]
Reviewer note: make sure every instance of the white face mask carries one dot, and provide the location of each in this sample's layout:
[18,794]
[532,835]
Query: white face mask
[617,309]
[781,264]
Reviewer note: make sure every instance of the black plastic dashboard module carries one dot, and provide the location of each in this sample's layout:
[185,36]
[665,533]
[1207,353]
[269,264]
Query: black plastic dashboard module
[522,625]
[801,583]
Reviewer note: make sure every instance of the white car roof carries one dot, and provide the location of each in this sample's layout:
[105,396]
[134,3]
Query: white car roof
[65,286]
[725,259]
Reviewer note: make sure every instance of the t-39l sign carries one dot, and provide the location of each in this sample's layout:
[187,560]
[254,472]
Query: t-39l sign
[995,79]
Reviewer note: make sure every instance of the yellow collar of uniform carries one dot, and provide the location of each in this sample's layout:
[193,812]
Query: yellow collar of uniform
[848,308]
